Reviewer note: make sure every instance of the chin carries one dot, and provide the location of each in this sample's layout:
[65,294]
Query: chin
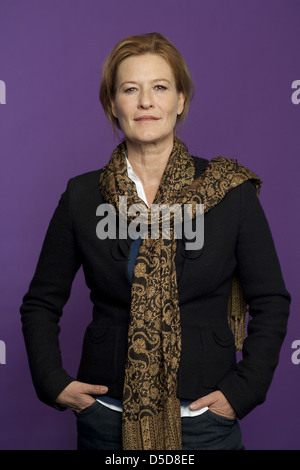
[150,138]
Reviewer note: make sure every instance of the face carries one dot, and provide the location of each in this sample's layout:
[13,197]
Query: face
[146,102]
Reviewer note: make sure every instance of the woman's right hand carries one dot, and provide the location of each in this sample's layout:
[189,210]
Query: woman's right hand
[78,395]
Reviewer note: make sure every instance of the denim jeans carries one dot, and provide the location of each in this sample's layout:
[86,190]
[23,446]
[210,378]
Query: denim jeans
[100,428]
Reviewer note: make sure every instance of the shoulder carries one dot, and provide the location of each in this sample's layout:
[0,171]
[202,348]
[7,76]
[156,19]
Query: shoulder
[86,179]
[232,173]
[200,165]
[84,188]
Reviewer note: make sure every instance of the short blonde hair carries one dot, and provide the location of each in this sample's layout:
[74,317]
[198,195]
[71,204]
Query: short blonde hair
[150,43]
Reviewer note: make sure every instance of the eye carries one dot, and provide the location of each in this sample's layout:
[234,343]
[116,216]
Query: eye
[130,90]
[160,87]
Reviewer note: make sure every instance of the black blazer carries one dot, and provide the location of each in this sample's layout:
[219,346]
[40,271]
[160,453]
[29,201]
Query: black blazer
[236,236]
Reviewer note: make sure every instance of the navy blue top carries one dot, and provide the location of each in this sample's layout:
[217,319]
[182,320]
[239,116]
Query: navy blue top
[134,250]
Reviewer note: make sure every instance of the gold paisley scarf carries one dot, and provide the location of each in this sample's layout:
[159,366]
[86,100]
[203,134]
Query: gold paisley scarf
[151,409]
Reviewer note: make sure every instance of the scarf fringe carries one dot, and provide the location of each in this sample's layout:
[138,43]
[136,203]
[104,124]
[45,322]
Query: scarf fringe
[146,432]
[237,313]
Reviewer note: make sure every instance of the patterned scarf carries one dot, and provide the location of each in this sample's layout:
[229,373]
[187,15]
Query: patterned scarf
[151,409]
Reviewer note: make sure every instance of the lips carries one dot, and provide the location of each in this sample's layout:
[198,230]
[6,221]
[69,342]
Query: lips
[147,118]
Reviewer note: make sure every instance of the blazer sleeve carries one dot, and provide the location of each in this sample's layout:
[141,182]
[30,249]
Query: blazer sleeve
[259,270]
[43,304]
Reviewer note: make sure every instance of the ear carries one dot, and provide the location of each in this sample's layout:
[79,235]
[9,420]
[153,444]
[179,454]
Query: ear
[113,109]
[181,101]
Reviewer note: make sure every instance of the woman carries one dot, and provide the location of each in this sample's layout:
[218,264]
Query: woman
[158,367]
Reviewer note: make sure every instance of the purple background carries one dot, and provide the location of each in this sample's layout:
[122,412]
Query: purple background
[244,56]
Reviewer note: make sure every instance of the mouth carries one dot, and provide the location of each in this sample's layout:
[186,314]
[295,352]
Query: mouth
[146,118]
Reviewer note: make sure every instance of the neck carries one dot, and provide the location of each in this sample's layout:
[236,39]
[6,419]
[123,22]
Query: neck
[149,160]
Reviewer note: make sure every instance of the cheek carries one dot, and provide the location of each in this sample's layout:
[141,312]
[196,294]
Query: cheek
[171,111]
[121,108]
[171,107]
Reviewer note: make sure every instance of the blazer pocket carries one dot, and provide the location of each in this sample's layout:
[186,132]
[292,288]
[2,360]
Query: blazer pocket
[218,354]
[99,355]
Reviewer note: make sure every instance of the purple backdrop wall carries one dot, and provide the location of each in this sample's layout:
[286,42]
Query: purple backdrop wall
[244,58]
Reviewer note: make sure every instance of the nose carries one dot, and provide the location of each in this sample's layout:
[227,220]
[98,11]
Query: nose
[145,99]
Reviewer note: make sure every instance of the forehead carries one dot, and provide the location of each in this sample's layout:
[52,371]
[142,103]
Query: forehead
[147,66]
